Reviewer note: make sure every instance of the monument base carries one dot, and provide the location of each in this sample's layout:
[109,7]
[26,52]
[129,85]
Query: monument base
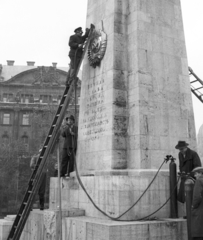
[44,225]
[87,228]
[5,227]
[41,225]
[114,192]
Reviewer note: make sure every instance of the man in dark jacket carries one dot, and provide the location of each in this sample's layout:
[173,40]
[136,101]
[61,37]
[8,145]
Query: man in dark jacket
[188,160]
[69,132]
[42,187]
[197,205]
[76,43]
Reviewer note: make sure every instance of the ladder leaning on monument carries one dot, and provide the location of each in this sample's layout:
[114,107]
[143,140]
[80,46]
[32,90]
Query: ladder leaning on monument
[196,85]
[49,142]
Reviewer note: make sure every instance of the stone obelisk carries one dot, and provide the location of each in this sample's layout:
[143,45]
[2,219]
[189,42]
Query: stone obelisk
[135,106]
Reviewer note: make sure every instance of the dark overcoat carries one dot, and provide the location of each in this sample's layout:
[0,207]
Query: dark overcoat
[74,41]
[197,209]
[69,147]
[70,141]
[186,165]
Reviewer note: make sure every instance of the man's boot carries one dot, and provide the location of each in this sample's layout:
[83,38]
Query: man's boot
[70,77]
[41,203]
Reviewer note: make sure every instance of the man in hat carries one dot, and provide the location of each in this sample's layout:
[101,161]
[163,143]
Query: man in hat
[76,43]
[69,132]
[197,205]
[188,160]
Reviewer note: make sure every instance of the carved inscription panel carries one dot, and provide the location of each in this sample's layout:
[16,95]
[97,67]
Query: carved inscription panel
[95,119]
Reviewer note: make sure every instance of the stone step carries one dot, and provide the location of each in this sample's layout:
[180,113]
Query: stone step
[47,222]
[10,217]
[87,228]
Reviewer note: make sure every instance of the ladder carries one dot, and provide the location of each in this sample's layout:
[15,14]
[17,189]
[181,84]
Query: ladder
[196,85]
[42,161]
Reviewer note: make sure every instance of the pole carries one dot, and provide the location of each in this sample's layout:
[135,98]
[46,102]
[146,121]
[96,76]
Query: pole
[59,220]
[173,189]
[189,185]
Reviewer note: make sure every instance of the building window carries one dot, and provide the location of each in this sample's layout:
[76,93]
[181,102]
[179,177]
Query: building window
[27,98]
[25,141]
[25,144]
[7,97]
[6,118]
[55,100]
[4,97]
[45,99]
[25,120]
[59,99]
[36,100]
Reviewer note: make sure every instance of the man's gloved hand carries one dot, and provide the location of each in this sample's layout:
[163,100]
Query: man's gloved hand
[33,167]
[64,126]
[69,152]
[80,45]
[87,30]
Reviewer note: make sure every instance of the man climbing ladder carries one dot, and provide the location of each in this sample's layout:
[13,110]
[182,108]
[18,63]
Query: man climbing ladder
[76,43]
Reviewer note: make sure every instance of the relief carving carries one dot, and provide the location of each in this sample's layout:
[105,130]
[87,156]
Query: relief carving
[50,224]
[97,48]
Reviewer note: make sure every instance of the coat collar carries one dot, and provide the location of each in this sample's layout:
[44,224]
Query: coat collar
[187,155]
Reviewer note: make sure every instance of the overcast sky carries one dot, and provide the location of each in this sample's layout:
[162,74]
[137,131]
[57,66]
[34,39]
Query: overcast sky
[38,30]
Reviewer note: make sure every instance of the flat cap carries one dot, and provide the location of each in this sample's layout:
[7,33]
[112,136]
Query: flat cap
[70,117]
[198,169]
[78,29]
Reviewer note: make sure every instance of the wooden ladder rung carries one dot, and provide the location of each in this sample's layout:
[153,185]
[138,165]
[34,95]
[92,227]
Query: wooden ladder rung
[194,81]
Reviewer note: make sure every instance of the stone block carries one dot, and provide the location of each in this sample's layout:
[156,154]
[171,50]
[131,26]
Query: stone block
[10,217]
[121,7]
[45,224]
[184,66]
[132,38]
[5,227]
[117,190]
[86,228]
[132,155]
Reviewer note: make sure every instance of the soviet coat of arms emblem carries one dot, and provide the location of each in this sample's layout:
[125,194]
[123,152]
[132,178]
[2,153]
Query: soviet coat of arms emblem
[97,47]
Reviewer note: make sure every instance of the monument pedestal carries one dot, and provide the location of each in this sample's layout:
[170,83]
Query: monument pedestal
[116,191]
[110,190]
[41,225]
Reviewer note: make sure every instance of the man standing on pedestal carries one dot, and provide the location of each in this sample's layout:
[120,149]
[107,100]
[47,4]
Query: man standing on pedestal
[69,132]
[188,160]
